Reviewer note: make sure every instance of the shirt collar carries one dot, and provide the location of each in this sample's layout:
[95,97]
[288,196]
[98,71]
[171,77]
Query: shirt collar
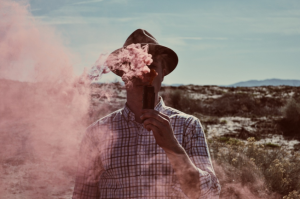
[129,115]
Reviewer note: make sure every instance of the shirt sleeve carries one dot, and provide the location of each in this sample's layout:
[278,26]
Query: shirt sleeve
[88,171]
[197,149]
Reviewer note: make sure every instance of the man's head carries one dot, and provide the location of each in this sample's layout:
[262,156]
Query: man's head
[159,64]
[165,61]
[157,51]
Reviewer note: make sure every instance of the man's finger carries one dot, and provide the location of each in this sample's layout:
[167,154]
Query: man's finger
[156,116]
[155,131]
[148,112]
[156,112]
[165,116]
[154,122]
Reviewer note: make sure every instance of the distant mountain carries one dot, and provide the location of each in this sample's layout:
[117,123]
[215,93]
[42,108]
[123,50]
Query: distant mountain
[175,85]
[267,82]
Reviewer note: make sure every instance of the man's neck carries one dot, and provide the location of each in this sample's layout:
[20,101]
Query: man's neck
[135,101]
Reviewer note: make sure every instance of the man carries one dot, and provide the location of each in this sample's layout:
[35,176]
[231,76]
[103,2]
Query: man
[136,153]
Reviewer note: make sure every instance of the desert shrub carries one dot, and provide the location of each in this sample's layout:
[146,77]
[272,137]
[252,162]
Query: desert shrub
[181,100]
[243,89]
[292,195]
[223,139]
[211,120]
[272,145]
[232,104]
[248,163]
[233,141]
[290,124]
[238,101]
[99,110]
[243,104]
[207,120]
[223,122]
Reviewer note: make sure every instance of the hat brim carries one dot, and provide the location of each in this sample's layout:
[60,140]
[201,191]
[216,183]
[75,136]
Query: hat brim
[169,56]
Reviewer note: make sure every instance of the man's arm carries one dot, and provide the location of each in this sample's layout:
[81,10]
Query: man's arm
[196,148]
[185,170]
[194,182]
[88,171]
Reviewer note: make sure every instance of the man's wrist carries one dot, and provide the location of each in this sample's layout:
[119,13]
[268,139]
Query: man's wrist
[175,150]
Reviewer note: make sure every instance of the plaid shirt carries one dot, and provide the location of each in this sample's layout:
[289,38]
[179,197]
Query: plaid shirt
[120,158]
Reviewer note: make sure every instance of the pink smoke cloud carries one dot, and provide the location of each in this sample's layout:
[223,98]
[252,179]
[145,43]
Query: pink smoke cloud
[133,60]
[43,118]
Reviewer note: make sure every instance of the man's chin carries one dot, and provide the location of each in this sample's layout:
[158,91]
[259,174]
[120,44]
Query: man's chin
[138,85]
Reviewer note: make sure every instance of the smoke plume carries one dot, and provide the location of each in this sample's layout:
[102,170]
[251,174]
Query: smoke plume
[43,117]
[44,109]
[131,62]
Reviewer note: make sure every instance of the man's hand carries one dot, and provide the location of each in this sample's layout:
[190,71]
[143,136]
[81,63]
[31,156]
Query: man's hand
[185,170]
[160,125]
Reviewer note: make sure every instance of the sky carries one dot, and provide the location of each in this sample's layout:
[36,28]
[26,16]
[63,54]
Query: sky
[218,42]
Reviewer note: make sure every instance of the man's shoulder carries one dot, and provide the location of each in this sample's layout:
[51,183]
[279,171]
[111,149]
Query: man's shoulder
[175,114]
[107,120]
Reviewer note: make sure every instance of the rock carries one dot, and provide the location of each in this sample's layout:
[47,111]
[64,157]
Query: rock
[244,134]
[244,108]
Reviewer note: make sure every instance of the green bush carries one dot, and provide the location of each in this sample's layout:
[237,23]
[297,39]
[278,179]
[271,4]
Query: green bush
[181,100]
[223,139]
[290,124]
[242,104]
[235,102]
[223,122]
[250,163]
[272,145]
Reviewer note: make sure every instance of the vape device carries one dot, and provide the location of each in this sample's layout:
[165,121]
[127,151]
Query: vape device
[148,97]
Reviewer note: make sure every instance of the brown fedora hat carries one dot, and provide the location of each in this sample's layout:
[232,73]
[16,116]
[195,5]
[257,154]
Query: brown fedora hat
[143,37]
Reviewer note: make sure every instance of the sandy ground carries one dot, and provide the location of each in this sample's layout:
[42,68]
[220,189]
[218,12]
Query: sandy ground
[234,125]
[23,175]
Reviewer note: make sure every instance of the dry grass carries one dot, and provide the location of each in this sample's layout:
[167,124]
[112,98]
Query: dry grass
[231,101]
[248,163]
[268,170]
[290,124]
[182,101]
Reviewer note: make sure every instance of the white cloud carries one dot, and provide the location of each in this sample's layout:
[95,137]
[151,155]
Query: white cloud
[202,38]
[174,41]
[253,39]
[182,41]
[190,38]
[63,20]
[87,2]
